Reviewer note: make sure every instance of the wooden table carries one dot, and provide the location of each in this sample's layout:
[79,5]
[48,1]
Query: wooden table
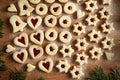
[55,75]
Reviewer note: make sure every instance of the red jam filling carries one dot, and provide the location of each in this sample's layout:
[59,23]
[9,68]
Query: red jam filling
[22,40]
[36,52]
[34,21]
[20,56]
[37,37]
[46,65]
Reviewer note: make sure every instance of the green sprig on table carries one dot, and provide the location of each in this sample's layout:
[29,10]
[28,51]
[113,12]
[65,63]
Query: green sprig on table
[2,66]
[41,78]
[99,74]
[1,28]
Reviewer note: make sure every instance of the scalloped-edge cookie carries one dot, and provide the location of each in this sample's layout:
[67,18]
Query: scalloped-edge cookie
[17,23]
[91,5]
[92,20]
[65,21]
[9,48]
[36,51]
[56,9]
[66,51]
[46,65]
[37,37]
[34,21]
[65,36]
[70,8]
[76,72]
[12,8]
[79,28]
[51,34]
[81,44]
[35,1]
[96,53]
[41,9]
[22,40]
[105,13]
[30,67]
[63,66]
[107,27]
[25,7]
[81,58]
[51,48]
[50,21]
[94,36]
[20,56]
[107,43]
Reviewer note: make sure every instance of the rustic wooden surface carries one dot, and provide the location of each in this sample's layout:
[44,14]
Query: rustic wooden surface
[55,75]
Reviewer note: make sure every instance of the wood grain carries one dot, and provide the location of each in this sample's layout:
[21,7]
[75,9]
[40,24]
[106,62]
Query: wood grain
[55,75]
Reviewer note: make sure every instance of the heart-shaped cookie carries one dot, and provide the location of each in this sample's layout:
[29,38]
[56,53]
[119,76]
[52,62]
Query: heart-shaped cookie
[20,56]
[17,23]
[30,67]
[46,65]
[80,14]
[12,8]
[9,48]
[21,40]
[36,51]
[34,22]
[37,37]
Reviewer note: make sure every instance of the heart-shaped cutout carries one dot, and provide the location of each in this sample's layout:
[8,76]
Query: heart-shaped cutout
[46,65]
[21,40]
[34,22]
[17,23]
[36,51]
[20,56]
[37,37]
[12,8]
[30,67]
[9,48]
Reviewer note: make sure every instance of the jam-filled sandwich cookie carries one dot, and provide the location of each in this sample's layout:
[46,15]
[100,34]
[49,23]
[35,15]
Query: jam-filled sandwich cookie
[46,65]
[22,40]
[50,1]
[56,9]
[36,51]
[65,36]
[50,21]
[37,37]
[41,9]
[51,34]
[20,56]
[51,48]
[35,1]
[63,1]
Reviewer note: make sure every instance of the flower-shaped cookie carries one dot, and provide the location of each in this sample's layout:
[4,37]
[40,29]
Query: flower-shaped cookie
[82,58]
[107,27]
[66,51]
[94,36]
[76,72]
[92,20]
[105,13]
[63,66]
[79,28]
[107,43]
[96,53]
[91,5]
[81,44]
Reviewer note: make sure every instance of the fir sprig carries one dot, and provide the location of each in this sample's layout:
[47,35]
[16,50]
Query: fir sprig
[41,78]
[2,66]
[17,75]
[1,27]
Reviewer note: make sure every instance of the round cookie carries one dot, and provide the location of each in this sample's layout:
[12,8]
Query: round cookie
[50,1]
[35,1]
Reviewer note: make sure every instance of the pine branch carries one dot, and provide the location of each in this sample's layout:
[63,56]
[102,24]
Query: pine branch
[2,66]
[41,78]
[1,27]
[17,75]
[97,74]
[114,74]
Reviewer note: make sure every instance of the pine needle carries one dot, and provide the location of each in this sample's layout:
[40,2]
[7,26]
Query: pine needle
[41,78]
[17,75]
[2,66]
